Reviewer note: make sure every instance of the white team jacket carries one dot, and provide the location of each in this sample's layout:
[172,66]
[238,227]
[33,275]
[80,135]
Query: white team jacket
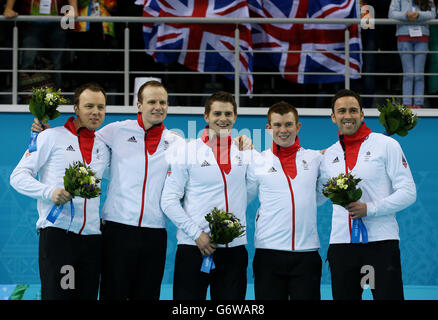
[57,148]
[136,180]
[286,219]
[198,178]
[387,187]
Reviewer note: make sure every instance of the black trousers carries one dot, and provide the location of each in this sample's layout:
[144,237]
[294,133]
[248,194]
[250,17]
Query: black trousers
[70,265]
[376,264]
[227,281]
[283,275]
[133,262]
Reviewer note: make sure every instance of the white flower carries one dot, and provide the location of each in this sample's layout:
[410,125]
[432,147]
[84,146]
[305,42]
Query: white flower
[49,98]
[93,180]
[83,170]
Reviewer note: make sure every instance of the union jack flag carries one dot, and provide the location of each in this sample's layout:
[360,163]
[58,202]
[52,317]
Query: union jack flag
[325,41]
[186,36]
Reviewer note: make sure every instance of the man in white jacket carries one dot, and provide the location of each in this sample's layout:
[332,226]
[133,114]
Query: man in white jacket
[133,224]
[286,263]
[387,187]
[71,249]
[208,172]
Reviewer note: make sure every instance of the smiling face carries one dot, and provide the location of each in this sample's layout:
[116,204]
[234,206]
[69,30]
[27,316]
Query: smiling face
[347,115]
[90,110]
[284,128]
[153,106]
[221,118]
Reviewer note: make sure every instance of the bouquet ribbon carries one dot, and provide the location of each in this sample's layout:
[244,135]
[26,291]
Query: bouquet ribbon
[56,210]
[207,264]
[358,229]
[33,140]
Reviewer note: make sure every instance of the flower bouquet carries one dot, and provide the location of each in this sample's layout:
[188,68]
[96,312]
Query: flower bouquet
[43,105]
[342,190]
[224,228]
[396,118]
[79,181]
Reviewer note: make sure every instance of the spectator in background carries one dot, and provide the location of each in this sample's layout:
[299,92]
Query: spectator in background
[369,43]
[433,58]
[412,37]
[41,34]
[95,36]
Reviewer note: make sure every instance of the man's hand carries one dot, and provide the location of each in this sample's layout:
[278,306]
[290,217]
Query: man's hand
[244,143]
[204,244]
[357,209]
[61,196]
[38,127]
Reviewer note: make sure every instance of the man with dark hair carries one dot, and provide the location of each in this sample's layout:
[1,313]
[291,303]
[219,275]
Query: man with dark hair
[387,187]
[211,172]
[286,262]
[67,245]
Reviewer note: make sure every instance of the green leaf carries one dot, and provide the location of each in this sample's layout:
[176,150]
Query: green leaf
[356,195]
[393,124]
[45,119]
[382,119]
[402,132]
[55,115]
[19,291]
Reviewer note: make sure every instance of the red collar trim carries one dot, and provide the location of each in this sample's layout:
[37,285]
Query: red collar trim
[287,156]
[351,145]
[283,152]
[221,149]
[85,137]
[152,135]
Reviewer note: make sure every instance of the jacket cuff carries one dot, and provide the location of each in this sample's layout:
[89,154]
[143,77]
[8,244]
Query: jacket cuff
[371,209]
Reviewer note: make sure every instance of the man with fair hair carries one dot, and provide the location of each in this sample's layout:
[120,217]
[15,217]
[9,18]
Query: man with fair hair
[133,225]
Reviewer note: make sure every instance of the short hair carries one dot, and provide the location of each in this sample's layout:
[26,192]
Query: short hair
[221,96]
[95,87]
[282,108]
[152,83]
[346,93]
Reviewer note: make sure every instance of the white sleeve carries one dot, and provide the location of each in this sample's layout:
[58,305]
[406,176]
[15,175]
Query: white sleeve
[403,184]
[252,184]
[320,198]
[106,134]
[107,172]
[23,179]
[173,192]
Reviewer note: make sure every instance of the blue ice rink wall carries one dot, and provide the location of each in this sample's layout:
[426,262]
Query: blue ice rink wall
[418,224]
